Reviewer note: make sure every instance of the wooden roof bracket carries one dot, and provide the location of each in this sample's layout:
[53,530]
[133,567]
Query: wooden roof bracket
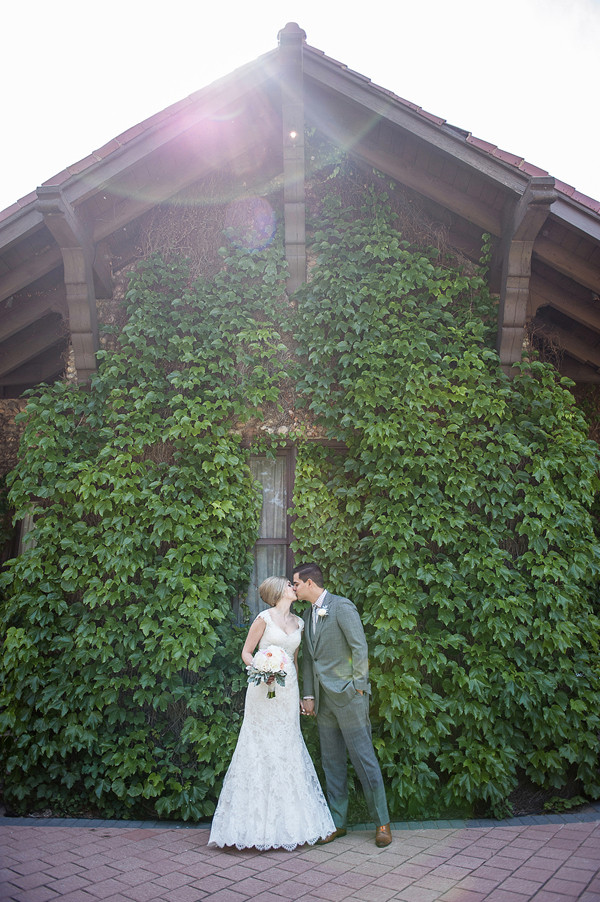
[77,252]
[291,43]
[529,215]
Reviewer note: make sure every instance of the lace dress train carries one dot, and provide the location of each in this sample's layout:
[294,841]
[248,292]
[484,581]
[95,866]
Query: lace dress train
[271,796]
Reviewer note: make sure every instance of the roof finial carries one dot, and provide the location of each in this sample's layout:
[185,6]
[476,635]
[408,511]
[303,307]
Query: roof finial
[291,32]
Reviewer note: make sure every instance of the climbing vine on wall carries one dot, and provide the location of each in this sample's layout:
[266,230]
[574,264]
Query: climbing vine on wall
[452,505]
[462,510]
[121,663]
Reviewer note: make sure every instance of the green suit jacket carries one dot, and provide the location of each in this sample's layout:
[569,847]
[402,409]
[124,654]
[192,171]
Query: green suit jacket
[335,655]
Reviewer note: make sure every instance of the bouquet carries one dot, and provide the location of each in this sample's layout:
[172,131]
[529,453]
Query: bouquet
[266,663]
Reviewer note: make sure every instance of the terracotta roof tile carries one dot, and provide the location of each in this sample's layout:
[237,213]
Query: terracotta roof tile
[586,201]
[507,157]
[432,118]
[5,214]
[107,149]
[134,132]
[530,169]
[84,164]
[59,178]
[564,188]
[482,145]
[18,206]
[27,199]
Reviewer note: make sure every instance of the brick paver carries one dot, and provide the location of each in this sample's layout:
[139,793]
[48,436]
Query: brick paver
[523,860]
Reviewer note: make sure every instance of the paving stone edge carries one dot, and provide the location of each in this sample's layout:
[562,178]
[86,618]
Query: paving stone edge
[590,813]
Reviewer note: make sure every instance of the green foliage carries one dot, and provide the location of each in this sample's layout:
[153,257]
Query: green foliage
[459,520]
[121,670]
[457,517]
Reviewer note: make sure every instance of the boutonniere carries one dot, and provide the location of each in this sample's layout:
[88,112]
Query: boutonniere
[322,612]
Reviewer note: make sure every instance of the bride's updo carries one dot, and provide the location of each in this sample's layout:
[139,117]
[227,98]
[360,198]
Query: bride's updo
[272,588]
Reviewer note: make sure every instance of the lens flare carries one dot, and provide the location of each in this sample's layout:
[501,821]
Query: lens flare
[250,223]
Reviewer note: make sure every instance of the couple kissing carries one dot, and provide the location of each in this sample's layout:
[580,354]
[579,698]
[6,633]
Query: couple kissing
[271,796]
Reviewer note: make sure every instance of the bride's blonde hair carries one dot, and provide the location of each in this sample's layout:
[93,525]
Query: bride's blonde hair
[271,589]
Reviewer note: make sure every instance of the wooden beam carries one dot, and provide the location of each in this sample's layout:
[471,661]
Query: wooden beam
[564,340]
[291,44]
[48,365]
[352,130]
[78,254]
[569,264]
[469,208]
[102,270]
[529,215]
[384,105]
[43,335]
[579,372]
[586,221]
[18,317]
[545,293]
[29,272]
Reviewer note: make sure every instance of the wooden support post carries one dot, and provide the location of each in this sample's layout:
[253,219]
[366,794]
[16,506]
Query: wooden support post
[78,254]
[529,215]
[291,42]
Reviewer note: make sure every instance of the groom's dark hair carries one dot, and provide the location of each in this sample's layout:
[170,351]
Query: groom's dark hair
[310,571]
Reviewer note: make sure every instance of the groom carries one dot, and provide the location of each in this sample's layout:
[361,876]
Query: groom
[336,690]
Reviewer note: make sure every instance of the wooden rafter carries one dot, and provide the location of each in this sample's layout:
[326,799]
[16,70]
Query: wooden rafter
[20,316]
[568,264]
[564,340]
[47,365]
[34,268]
[545,293]
[36,340]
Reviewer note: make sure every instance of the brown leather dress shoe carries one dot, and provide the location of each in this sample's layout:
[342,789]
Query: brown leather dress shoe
[341,831]
[383,836]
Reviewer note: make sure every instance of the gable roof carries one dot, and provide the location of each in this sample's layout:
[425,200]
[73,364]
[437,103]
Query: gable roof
[237,121]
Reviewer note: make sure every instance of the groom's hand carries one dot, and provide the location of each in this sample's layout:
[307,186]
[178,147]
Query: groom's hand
[307,707]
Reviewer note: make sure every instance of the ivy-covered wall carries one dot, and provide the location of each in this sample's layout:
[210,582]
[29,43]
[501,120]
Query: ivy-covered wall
[458,519]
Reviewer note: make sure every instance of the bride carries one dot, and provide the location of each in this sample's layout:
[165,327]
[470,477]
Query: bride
[271,796]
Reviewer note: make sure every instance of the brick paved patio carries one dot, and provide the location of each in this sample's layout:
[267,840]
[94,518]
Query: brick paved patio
[544,859]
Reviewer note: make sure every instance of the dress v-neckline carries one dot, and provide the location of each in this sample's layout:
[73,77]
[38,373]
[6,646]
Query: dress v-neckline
[280,628]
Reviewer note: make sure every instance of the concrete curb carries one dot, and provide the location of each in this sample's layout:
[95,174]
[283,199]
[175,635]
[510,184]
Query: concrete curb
[591,812]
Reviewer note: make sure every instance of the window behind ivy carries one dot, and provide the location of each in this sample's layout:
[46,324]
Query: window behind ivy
[272,553]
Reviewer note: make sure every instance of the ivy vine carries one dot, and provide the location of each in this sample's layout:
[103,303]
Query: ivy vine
[459,518]
[454,508]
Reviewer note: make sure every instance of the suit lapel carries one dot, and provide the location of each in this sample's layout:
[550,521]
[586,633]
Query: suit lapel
[308,630]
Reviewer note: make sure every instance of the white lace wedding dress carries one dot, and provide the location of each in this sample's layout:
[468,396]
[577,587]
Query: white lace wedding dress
[271,796]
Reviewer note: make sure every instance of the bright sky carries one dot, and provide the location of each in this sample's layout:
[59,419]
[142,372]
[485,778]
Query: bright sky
[522,74]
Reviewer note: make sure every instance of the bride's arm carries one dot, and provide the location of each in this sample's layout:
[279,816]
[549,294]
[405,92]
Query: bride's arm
[252,639]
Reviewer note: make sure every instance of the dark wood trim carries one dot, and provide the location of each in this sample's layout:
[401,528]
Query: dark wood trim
[567,263]
[78,254]
[529,215]
[48,366]
[579,372]
[382,104]
[583,220]
[25,275]
[563,340]
[41,336]
[22,315]
[291,43]
[544,293]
